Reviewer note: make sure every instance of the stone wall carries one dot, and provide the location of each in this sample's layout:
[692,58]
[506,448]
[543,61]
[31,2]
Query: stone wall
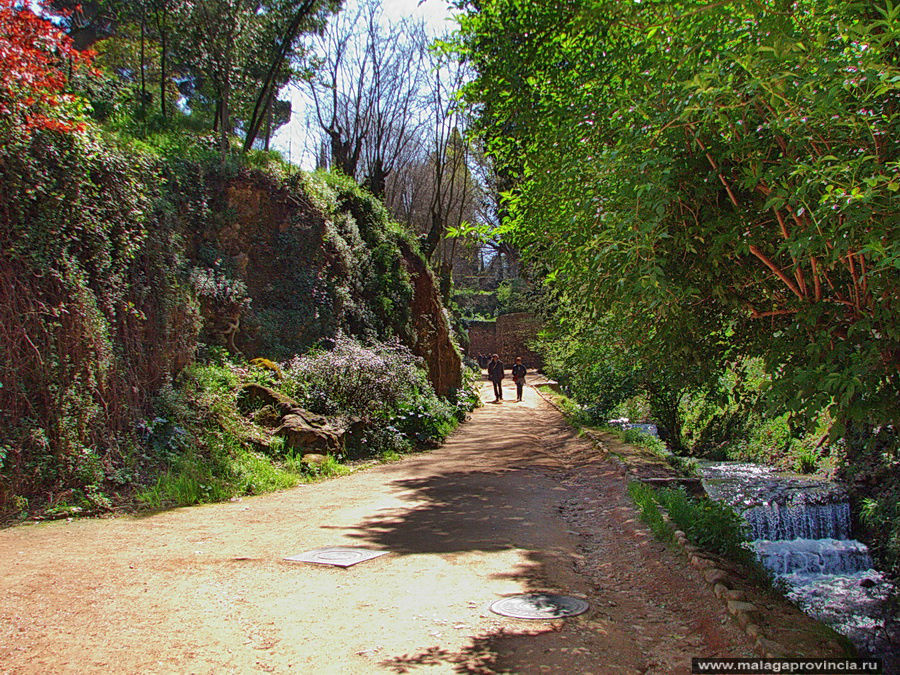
[482,338]
[508,336]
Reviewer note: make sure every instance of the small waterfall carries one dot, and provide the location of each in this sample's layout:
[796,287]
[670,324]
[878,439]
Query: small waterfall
[813,556]
[801,531]
[800,521]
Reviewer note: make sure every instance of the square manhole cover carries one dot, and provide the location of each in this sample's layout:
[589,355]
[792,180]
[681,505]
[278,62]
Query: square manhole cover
[340,556]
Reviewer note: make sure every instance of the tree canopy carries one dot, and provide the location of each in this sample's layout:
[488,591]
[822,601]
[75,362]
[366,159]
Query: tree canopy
[726,173]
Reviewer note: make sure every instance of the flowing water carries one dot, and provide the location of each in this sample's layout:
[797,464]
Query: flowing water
[801,531]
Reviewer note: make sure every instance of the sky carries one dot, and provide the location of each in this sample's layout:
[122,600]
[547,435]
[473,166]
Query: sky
[290,139]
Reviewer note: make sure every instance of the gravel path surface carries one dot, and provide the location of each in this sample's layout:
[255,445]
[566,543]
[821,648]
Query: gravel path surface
[513,502]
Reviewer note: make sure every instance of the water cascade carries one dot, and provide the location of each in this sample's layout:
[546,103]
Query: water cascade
[801,531]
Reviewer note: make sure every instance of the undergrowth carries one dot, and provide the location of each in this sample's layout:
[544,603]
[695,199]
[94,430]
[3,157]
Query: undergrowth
[209,449]
[644,497]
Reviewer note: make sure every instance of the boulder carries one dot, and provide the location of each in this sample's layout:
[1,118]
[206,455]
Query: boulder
[736,606]
[715,576]
[303,430]
[255,396]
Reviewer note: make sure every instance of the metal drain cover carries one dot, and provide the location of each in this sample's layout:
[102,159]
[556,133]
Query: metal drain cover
[341,556]
[540,606]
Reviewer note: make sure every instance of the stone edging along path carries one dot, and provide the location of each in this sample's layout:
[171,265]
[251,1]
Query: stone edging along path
[745,613]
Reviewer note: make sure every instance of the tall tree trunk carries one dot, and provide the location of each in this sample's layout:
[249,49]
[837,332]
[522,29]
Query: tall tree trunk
[226,129]
[225,122]
[143,65]
[267,91]
[433,238]
[271,109]
[343,156]
[377,179]
[163,39]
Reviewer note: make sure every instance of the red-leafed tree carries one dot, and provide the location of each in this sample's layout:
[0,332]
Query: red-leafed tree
[35,57]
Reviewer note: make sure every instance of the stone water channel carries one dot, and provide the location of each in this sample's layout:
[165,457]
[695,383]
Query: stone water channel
[801,531]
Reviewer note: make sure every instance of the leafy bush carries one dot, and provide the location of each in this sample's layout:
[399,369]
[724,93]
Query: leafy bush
[882,514]
[686,465]
[383,384]
[645,440]
[426,421]
[467,397]
[353,380]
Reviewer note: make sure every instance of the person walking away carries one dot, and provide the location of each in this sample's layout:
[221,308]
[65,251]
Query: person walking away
[518,373]
[495,375]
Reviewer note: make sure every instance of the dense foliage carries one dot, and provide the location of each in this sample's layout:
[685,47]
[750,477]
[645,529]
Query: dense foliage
[709,187]
[32,54]
[384,385]
[717,164]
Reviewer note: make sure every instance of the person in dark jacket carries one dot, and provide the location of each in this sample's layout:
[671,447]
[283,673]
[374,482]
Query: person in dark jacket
[518,373]
[495,375]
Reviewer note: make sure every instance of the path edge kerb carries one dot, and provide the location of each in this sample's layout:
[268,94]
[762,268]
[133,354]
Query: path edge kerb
[746,614]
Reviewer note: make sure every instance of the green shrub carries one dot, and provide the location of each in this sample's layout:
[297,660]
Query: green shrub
[881,514]
[384,384]
[686,465]
[805,456]
[351,379]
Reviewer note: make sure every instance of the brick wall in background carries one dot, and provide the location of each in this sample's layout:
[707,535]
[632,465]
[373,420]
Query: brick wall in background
[508,336]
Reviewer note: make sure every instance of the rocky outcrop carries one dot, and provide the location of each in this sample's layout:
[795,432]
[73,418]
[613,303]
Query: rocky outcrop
[311,267]
[301,429]
[430,329]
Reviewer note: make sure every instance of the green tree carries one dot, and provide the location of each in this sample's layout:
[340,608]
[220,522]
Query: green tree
[724,167]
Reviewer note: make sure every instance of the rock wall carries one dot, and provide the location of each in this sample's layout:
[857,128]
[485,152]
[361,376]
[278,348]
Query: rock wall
[309,274]
[431,331]
[482,338]
[509,336]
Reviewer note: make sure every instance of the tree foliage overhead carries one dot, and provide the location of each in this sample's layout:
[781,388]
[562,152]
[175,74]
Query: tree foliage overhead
[729,168]
[32,54]
[221,61]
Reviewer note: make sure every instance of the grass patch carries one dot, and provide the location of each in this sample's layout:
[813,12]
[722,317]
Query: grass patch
[196,480]
[644,497]
[390,456]
[572,411]
[708,524]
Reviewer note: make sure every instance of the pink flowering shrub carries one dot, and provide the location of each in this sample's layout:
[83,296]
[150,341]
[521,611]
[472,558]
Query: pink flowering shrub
[384,384]
[355,380]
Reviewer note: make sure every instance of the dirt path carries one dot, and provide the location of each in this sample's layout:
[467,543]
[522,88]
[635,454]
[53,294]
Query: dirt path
[513,502]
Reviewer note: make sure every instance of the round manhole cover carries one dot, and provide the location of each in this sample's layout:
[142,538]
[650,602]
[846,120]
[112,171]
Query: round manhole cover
[540,606]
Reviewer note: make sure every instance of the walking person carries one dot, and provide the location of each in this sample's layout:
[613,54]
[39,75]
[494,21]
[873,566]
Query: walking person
[518,373]
[495,375]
